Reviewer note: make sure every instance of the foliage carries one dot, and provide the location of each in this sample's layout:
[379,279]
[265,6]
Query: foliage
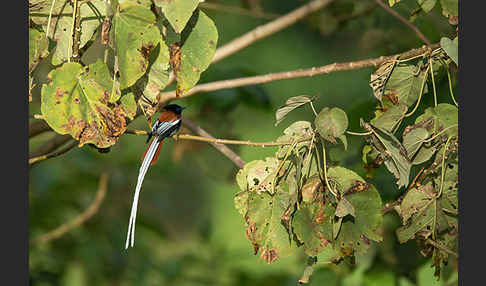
[299,201]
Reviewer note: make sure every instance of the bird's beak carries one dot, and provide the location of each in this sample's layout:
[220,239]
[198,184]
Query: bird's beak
[183,107]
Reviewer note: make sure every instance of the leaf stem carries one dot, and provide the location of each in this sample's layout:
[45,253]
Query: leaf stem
[442,131]
[325,169]
[313,110]
[450,87]
[443,166]
[433,81]
[420,94]
[359,133]
[49,20]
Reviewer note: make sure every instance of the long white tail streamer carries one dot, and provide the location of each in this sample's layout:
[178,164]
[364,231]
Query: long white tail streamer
[143,170]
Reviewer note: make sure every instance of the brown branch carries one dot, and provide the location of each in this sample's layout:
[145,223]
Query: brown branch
[220,141]
[263,31]
[76,31]
[238,10]
[51,145]
[35,160]
[221,148]
[38,127]
[403,20]
[268,29]
[335,67]
[80,219]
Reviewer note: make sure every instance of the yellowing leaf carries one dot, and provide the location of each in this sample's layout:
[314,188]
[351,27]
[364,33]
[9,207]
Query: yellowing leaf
[76,101]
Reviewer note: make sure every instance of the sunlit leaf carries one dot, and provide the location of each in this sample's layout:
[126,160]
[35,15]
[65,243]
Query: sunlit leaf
[177,12]
[135,37]
[427,5]
[78,101]
[450,7]
[197,51]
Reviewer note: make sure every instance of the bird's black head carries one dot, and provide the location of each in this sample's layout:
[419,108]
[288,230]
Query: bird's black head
[174,108]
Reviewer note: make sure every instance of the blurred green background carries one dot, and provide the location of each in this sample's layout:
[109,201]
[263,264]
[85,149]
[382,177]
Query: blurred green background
[188,232]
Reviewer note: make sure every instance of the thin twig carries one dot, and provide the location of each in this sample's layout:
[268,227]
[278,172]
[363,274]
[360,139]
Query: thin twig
[221,148]
[35,160]
[404,20]
[55,142]
[220,141]
[238,10]
[441,247]
[165,97]
[80,219]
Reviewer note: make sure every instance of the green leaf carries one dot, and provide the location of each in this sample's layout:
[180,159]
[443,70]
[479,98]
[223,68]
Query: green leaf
[451,47]
[196,52]
[311,224]
[331,123]
[76,101]
[60,28]
[393,2]
[344,208]
[265,229]
[129,105]
[260,175]
[413,142]
[405,83]
[392,151]
[390,118]
[291,104]
[135,37]
[177,12]
[158,72]
[356,231]
[296,131]
[38,44]
[422,214]
[427,5]
[443,116]
[450,7]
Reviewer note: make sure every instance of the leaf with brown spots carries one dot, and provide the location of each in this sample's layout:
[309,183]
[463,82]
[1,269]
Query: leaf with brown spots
[198,46]
[78,101]
[135,36]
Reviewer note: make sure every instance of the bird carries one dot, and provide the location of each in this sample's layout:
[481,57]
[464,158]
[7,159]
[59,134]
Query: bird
[168,123]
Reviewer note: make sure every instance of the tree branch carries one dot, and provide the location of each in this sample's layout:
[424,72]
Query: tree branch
[238,10]
[80,219]
[34,160]
[51,145]
[335,67]
[405,21]
[76,35]
[268,29]
[221,148]
[218,141]
[263,31]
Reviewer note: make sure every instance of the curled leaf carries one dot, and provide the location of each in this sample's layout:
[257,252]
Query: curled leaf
[291,104]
